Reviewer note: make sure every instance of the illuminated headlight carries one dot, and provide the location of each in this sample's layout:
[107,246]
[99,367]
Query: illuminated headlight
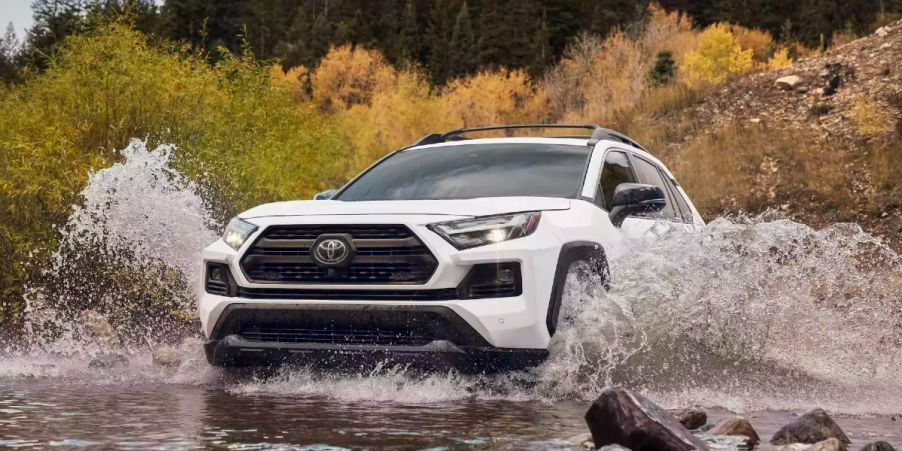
[237,232]
[467,233]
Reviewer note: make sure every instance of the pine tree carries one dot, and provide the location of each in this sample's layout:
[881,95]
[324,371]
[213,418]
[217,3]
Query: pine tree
[463,51]
[438,38]
[9,50]
[408,39]
[664,69]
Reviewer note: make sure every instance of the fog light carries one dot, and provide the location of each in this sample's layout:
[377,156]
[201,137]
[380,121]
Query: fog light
[505,275]
[216,274]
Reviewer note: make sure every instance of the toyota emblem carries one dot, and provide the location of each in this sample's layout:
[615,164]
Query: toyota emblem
[331,251]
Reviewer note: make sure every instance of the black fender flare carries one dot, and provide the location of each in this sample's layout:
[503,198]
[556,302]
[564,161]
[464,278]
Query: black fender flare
[570,252]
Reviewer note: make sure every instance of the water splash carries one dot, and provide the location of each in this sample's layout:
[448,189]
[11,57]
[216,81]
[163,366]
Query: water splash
[744,314]
[129,257]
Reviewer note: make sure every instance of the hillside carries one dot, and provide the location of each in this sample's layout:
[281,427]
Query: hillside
[840,115]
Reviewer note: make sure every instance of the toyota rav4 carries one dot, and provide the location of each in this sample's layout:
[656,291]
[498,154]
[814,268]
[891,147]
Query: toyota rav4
[453,248]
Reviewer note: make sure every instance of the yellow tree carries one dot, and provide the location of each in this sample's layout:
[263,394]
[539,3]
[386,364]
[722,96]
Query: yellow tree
[718,56]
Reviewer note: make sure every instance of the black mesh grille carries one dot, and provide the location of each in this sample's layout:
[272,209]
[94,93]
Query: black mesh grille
[385,254]
[333,334]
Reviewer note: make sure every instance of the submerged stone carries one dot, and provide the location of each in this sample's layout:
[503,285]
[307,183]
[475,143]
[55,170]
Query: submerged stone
[737,426]
[107,361]
[813,427]
[624,418]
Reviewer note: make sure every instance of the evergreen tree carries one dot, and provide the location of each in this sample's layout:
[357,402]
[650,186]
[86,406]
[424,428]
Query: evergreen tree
[463,51]
[9,51]
[664,69]
[409,34]
[438,38]
[53,21]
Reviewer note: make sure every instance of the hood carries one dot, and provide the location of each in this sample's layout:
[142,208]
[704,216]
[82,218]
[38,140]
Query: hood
[457,207]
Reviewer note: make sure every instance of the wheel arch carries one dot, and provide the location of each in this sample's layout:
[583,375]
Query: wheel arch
[570,252]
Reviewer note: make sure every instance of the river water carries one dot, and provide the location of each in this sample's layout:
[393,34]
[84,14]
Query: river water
[763,317]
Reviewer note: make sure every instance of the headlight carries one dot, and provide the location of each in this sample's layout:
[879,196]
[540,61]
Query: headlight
[467,233]
[237,232]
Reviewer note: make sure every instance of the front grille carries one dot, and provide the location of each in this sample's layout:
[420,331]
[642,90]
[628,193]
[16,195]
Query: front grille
[385,254]
[335,334]
[437,294]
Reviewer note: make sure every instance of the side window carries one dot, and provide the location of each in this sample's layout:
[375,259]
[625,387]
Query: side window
[681,203]
[616,170]
[649,173]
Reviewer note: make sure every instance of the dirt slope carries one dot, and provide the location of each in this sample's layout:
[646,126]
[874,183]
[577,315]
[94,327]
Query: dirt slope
[848,100]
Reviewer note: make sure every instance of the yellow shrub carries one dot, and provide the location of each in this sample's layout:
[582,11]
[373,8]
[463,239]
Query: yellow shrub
[597,80]
[396,116]
[668,31]
[758,41]
[779,59]
[487,98]
[348,76]
[296,78]
[719,56]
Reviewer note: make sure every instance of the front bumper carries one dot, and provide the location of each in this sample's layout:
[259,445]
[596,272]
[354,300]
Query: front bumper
[249,334]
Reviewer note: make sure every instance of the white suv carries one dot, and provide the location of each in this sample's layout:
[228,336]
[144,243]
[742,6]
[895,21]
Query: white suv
[452,247]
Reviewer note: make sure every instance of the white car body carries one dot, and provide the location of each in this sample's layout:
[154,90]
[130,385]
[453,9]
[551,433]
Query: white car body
[521,322]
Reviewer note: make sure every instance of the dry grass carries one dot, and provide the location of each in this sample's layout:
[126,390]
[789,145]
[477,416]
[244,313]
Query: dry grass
[870,117]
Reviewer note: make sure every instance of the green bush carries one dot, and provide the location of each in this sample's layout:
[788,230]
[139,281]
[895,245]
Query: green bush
[240,134]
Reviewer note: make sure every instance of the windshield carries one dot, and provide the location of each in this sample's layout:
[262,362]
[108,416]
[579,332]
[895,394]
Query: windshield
[474,170]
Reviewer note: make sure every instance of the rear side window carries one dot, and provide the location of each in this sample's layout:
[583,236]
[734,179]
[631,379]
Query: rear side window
[616,170]
[681,203]
[650,174]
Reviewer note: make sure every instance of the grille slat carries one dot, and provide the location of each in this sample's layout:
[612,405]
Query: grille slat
[364,335]
[384,254]
[440,294]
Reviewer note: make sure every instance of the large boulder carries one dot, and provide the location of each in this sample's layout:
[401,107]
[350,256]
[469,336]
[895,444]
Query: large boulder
[691,418]
[815,426]
[789,82]
[624,418]
[737,426]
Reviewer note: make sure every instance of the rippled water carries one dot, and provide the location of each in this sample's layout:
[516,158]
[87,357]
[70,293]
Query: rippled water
[752,316]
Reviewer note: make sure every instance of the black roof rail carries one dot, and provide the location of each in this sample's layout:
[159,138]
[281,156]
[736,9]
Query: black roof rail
[598,133]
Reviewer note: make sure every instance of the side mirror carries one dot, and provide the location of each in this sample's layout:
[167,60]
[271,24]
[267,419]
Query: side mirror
[325,195]
[634,198]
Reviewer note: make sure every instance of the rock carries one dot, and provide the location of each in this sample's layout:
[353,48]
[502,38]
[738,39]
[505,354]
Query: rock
[878,446]
[813,427]
[165,355]
[99,328]
[613,448]
[882,31]
[622,417]
[108,361]
[691,418]
[788,82]
[737,426]
[831,444]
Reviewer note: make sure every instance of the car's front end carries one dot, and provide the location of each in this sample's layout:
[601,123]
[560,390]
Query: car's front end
[448,250]
[468,279]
